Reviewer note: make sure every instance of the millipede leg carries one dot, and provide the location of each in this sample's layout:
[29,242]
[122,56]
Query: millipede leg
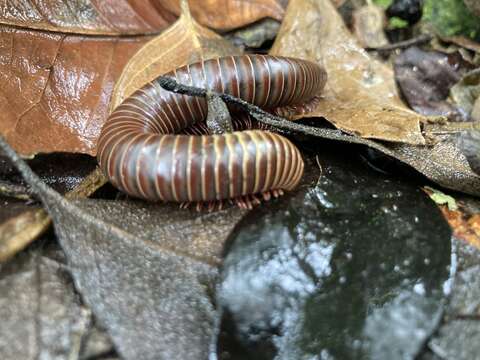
[290,111]
[243,202]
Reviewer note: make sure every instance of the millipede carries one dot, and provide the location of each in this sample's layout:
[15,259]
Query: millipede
[143,153]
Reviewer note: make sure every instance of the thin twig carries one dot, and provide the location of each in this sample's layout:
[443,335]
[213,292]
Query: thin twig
[422,39]
[260,115]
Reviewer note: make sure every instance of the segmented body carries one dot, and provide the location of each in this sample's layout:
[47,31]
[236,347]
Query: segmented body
[140,153]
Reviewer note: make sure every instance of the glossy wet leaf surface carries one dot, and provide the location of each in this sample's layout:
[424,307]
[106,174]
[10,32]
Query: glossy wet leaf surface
[459,335]
[60,85]
[152,293]
[350,267]
[120,17]
[59,80]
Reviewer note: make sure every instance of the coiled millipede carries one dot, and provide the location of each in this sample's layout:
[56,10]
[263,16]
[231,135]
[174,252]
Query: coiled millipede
[142,154]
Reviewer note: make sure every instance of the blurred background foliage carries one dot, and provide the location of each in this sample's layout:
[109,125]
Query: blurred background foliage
[448,17]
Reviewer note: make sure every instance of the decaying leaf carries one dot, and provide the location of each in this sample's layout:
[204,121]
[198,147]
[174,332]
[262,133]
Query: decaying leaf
[369,23]
[359,88]
[464,227]
[469,49]
[147,285]
[183,43]
[42,316]
[111,17]
[360,96]
[230,14]
[425,78]
[469,142]
[254,35]
[115,17]
[60,83]
[21,224]
[443,163]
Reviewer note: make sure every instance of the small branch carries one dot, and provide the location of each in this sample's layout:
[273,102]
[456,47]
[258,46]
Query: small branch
[262,116]
[219,120]
[422,39]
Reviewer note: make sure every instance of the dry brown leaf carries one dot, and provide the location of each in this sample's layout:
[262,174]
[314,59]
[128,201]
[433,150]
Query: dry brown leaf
[100,17]
[230,14]
[183,43]
[467,229]
[115,17]
[360,96]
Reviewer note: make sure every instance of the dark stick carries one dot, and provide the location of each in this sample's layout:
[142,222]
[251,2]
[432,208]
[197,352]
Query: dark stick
[262,116]
[422,39]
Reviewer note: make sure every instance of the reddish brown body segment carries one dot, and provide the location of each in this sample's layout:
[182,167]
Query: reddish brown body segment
[140,154]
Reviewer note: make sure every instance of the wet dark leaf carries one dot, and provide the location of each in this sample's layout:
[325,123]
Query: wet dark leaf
[470,144]
[21,222]
[459,336]
[42,316]
[356,265]
[61,171]
[148,282]
[425,78]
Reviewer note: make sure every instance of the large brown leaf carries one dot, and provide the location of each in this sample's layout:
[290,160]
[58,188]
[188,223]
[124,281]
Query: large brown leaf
[183,43]
[57,85]
[105,17]
[56,88]
[230,14]
[360,95]
[114,17]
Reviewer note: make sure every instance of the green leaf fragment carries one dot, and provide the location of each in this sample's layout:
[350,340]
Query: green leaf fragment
[442,199]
